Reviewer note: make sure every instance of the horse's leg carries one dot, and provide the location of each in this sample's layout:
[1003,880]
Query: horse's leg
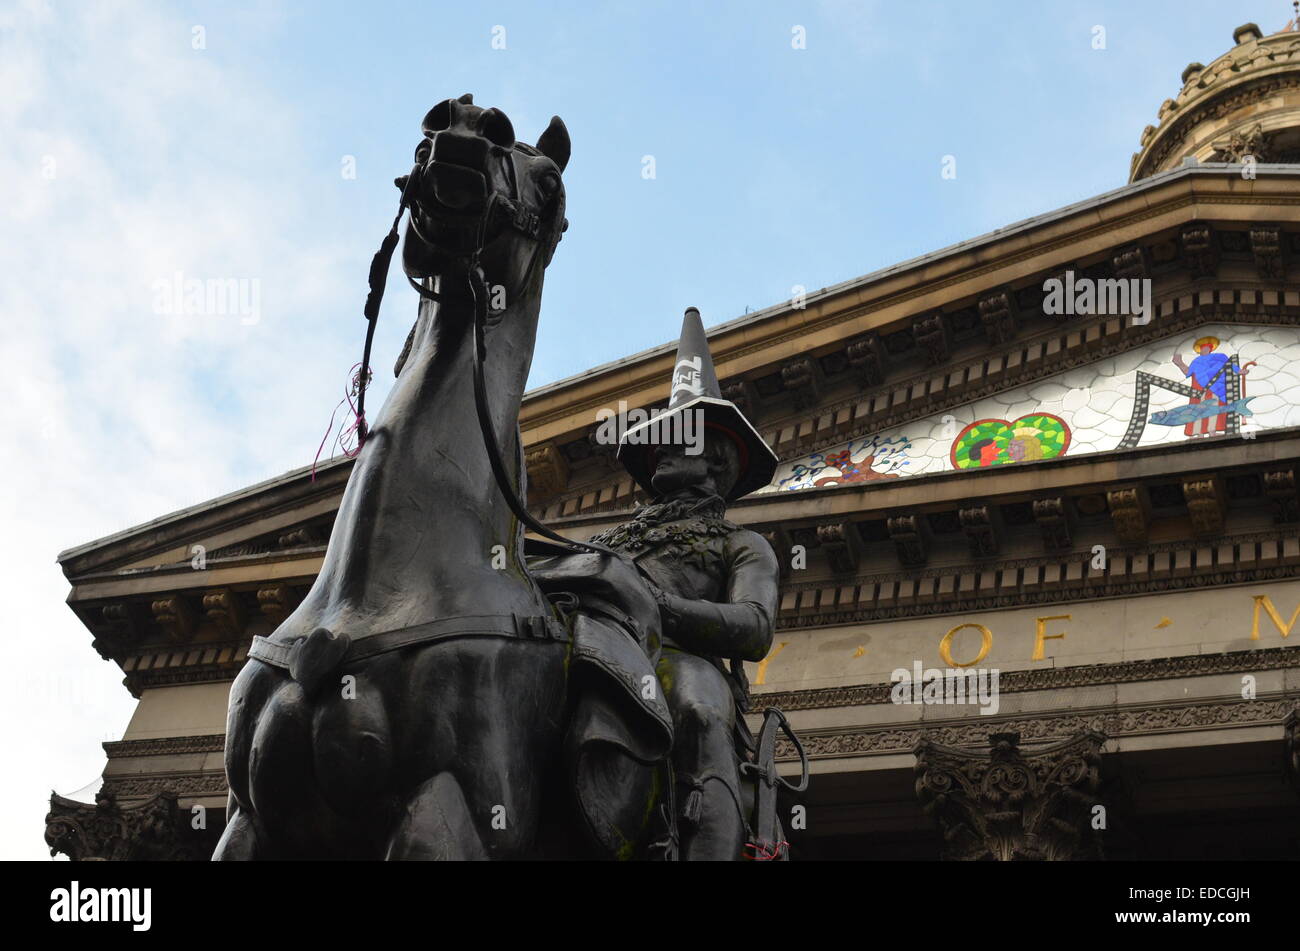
[437,825]
[240,840]
[279,808]
[496,733]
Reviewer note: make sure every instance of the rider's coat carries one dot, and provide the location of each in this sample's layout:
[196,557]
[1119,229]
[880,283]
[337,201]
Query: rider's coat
[717,581]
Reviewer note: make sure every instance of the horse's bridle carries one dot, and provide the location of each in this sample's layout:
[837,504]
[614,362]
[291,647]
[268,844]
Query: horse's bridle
[509,212]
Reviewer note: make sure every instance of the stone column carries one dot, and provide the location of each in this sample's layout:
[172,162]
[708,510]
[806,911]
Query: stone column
[1291,747]
[1009,805]
[155,830]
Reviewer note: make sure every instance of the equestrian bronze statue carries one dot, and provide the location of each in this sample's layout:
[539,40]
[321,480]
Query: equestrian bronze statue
[444,693]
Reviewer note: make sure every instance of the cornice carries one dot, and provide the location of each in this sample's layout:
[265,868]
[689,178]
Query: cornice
[1209,565]
[198,783]
[167,745]
[1052,678]
[1113,721]
[249,506]
[153,654]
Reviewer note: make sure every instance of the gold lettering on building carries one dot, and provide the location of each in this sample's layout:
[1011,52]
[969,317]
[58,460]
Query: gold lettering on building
[1041,635]
[1262,600]
[986,643]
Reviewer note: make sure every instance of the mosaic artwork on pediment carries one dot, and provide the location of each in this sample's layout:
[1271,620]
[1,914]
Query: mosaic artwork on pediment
[861,460]
[1221,380]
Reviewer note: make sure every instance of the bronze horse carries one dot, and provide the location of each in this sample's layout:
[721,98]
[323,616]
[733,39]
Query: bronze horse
[427,699]
[413,706]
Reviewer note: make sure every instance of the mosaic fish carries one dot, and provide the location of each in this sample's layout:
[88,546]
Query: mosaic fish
[1194,411]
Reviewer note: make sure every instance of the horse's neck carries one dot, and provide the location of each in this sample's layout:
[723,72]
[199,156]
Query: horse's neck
[422,531]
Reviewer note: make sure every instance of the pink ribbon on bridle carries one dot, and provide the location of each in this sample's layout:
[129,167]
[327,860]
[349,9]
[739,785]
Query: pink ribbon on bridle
[356,428]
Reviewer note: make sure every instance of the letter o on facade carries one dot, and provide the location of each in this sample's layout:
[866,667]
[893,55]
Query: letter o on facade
[986,644]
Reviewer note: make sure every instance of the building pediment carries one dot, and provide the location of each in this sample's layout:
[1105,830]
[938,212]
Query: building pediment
[1136,398]
[927,338]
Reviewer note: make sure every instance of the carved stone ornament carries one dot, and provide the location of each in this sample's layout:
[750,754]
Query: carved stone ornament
[932,337]
[840,541]
[1128,513]
[1280,488]
[799,377]
[1054,523]
[905,531]
[998,314]
[1130,263]
[1244,142]
[1266,245]
[1008,805]
[223,609]
[277,601]
[1206,505]
[548,470]
[977,523]
[1199,251]
[866,357]
[154,830]
[175,615]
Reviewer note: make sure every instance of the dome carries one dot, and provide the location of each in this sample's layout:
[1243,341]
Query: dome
[1246,102]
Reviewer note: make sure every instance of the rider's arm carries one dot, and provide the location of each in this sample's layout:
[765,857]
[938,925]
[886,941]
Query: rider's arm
[740,629]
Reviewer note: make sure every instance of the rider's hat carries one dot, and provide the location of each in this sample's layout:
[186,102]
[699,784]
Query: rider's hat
[695,389]
[1212,341]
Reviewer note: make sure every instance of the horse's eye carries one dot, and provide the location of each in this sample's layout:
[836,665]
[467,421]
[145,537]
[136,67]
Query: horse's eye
[548,185]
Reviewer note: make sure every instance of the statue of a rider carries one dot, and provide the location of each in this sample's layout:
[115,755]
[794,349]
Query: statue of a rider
[715,584]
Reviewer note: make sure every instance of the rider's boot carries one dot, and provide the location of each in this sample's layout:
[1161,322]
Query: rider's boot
[711,823]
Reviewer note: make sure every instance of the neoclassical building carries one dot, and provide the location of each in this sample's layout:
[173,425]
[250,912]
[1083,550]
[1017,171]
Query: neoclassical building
[1005,459]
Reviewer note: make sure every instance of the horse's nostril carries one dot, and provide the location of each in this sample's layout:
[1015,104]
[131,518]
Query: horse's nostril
[438,118]
[496,128]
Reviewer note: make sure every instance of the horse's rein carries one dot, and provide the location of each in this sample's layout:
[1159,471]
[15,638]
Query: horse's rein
[379,266]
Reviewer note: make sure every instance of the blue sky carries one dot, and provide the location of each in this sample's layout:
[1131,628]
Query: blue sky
[774,166]
[129,155]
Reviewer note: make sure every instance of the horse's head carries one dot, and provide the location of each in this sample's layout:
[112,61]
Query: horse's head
[477,190]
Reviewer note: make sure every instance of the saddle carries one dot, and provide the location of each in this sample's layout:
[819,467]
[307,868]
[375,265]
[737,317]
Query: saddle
[620,735]
[620,732]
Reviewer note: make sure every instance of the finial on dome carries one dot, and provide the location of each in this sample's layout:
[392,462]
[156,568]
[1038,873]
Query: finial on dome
[1245,33]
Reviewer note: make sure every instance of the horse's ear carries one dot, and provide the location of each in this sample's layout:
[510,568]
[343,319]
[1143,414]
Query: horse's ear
[554,143]
[467,99]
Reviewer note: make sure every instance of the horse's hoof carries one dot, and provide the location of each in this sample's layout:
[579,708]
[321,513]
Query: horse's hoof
[314,658]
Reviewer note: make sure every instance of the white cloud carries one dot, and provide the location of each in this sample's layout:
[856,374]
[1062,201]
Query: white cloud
[116,414]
